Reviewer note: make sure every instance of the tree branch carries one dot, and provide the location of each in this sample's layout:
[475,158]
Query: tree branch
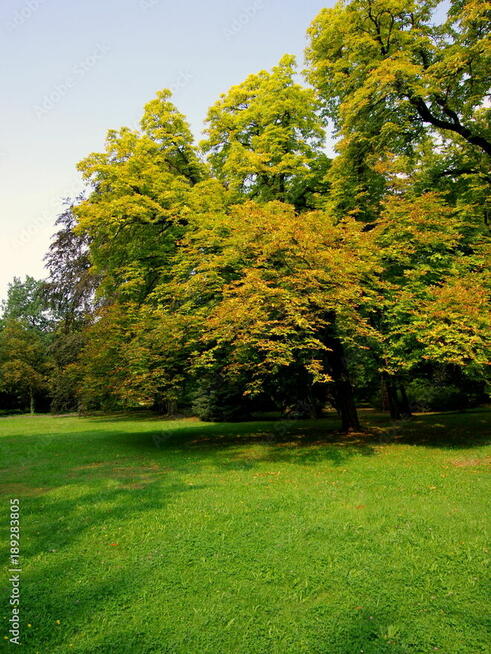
[453,126]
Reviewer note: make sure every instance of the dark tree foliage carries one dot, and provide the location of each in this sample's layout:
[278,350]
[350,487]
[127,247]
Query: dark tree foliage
[70,288]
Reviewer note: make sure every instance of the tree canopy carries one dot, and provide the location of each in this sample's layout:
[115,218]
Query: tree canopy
[252,272]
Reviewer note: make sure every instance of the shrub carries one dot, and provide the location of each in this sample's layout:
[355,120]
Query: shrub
[425,395]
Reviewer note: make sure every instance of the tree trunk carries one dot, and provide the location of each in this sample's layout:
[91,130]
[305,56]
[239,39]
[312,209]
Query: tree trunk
[343,390]
[384,394]
[405,407]
[31,402]
[391,395]
[171,407]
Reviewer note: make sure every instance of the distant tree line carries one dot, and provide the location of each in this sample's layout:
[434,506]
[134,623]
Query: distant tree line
[252,272]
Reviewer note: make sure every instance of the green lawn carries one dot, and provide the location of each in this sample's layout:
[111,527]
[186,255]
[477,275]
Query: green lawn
[143,535]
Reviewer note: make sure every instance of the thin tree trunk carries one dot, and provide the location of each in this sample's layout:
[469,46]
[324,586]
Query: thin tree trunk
[31,402]
[343,390]
[391,394]
[171,407]
[384,394]
[405,407]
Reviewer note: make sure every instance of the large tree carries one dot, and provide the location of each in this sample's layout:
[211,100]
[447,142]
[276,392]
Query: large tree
[142,190]
[433,288]
[392,83]
[278,293]
[387,72]
[265,142]
[265,137]
[137,203]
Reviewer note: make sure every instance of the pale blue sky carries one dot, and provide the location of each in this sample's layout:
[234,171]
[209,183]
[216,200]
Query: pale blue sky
[72,69]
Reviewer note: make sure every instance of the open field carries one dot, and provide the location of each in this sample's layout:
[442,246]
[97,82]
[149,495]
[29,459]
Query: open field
[141,535]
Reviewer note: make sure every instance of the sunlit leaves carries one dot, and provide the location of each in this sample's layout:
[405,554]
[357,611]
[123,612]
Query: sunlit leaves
[264,138]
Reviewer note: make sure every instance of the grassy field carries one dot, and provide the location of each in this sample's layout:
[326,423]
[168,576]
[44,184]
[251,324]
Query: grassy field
[141,535]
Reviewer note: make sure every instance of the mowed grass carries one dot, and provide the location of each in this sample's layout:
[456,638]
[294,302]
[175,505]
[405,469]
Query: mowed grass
[141,535]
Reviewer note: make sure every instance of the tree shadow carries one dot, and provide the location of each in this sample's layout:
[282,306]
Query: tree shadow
[447,430]
[151,470]
[246,445]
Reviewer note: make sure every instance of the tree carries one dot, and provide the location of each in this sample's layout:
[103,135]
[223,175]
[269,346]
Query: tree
[433,286]
[138,204]
[407,100]
[134,357]
[387,72]
[25,302]
[23,362]
[144,186]
[135,227]
[276,291]
[25,336]
[394,83]
[265,138]
[70,288]
[69,292]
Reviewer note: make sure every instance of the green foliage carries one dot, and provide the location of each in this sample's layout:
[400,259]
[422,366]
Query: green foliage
[435,286]
[135,213]
[25,302]
[254,269]
[24,366]
[64,379]
[264,139]
[425,395]
[134,357]
[70,288]
[218,400]
[388,73]
[391,79]
[274,279]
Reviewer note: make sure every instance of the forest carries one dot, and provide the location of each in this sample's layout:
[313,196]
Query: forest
[255,272]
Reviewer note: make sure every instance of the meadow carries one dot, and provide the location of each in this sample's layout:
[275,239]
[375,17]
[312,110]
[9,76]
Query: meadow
[142,535]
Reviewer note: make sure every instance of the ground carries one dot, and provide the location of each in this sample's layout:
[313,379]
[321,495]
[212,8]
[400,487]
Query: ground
[141,535]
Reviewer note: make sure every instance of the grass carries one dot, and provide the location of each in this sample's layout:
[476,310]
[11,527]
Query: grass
[142,535]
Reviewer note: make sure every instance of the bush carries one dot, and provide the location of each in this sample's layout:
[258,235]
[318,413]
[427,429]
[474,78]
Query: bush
[425,395]
[217,401]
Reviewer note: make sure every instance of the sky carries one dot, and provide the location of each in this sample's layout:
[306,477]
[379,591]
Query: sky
[73,69]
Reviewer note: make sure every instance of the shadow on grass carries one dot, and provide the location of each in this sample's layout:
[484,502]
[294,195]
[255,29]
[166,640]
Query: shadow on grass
[307,441]
[444,430]
[451,430]
[120,473]
[142,471]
